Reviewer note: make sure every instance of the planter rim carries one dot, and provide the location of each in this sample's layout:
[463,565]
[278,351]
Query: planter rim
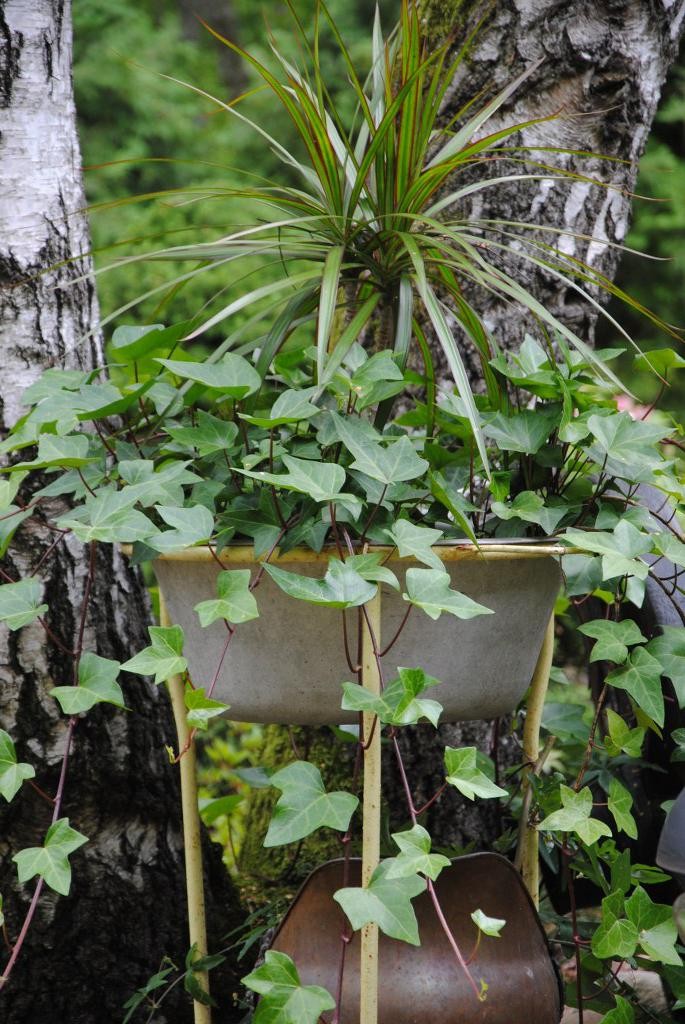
[450,551]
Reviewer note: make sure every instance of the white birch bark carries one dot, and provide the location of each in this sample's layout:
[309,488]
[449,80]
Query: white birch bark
[86,953]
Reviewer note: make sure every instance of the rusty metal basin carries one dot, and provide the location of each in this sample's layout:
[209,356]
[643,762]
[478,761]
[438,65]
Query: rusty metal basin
[425,985]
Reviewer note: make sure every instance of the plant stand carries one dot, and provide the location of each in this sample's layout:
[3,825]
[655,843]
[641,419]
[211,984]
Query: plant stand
[527,851]
[371,808]
[192,839]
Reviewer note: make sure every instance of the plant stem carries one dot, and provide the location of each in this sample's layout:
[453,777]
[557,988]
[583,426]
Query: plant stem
[30,914]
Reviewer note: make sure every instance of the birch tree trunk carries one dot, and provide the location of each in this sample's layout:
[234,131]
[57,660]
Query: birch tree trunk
[86,953]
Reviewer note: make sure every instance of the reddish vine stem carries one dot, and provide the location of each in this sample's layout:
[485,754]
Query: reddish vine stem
[429,884]
[30,913]
[398,633]
[92,557]
[348,657]
[410,805]
[429,803]
[676,606]
[373,514]
[591,738]
[59,793]
[44,557]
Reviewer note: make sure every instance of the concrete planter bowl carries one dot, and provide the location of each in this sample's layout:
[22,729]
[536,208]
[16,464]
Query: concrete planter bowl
[287,665]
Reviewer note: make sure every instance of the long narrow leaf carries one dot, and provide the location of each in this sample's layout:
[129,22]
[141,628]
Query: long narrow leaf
[461,137]
[454,360]
[330,279]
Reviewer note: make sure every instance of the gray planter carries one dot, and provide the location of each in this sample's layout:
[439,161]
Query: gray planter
[287,665]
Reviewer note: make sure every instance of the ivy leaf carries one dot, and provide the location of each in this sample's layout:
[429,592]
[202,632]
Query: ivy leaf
[488,925]
[155,487]
[612,639]
[575,816]
[455,502]
[643,912]
[291,406]
[20,602]
[236,603]
[190,526]
[668,545]
[210,435]
[140,995]
[284,999]
[108,517]
[417,542]
[430,589]
[390,465]
[660,359]
[51,382]
[616,936]
[232,376]
[51,860]
[11,519]
[304,805]
[659,942]
[583,574]
[620,802]
[461,764]
[532,509]
[55,450]
[620,550]
[621,737]
[341,587]
[201,709]
[96,685]
[625,442]
[399,703]
[622,1013]
[386,901]
[656,926]
[163,658]
[669,649]
[370,567]
[12,772]
[222,806]
[525,432]
[641,678]
[321,481]
[415,857]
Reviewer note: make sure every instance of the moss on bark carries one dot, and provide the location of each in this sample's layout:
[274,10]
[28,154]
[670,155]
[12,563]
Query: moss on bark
[268,873]
[444,17]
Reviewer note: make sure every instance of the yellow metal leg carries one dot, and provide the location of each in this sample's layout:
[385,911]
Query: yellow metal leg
[192,842]
[527,854]
[371,814]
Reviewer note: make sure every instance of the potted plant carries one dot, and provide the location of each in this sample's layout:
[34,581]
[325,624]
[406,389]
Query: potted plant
[321,455]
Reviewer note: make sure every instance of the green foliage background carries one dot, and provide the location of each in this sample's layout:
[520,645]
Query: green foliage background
[142,134]
[153,135]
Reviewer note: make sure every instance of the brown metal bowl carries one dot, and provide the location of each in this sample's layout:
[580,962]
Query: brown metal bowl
[425,985]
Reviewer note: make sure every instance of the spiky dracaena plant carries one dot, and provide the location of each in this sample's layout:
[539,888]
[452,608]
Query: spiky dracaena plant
[369,233]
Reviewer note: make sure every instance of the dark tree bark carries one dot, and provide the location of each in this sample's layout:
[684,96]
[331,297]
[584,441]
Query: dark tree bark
[86,953]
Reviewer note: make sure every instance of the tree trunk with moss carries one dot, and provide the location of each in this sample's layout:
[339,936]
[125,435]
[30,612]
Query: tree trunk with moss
[601,69]
[86,953]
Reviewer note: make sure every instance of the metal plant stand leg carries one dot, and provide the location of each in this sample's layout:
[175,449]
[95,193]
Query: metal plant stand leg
[192,842]
[371,841]
[527,853]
